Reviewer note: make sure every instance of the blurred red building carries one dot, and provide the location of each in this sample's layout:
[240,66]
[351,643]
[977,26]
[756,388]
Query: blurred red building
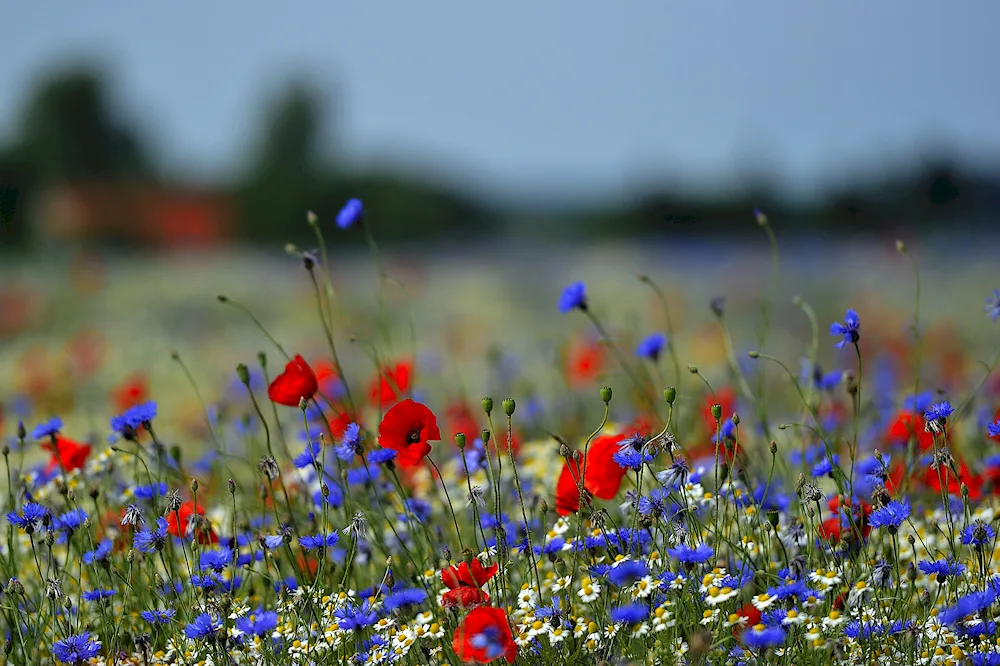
[148,215]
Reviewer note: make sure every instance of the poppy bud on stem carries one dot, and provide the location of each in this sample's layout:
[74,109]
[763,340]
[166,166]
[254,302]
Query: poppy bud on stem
[606,394]
[670,394]
[460,440]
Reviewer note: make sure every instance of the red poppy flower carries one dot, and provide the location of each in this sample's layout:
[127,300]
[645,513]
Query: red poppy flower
[298,381]
[186,510]
[69,453]
[484,635]
[393,383]
[464,583]
[568,489]
[906,425]
[584,363]
[602,476]
[954,485]
[406,428]
[133,391]
[751,616]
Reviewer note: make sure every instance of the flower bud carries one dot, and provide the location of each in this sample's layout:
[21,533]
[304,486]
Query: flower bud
[670,394]
[693,369]
[460,440]
[716,411]
[21,432]
[774,448]
[312,219]
[900,247]
[485,434]
[772,517]
[303,404]
[753,354]
[508,406]
[606,394]
[194,485]
[760,217]
[487,405]
[736,419]
[243,373]
[232,487]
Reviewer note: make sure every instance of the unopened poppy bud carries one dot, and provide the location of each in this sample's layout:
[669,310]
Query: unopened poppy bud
[262,359]
[243,373]
[460,440]
[753,354]
[194,485]
[303,404]
[606,394]
[736,419]
[232,487]
[670,394]
[487,405]
[485,435]
[508,406]
[772,517]
[716,411]
[693,369]
[774,448]
[222,298]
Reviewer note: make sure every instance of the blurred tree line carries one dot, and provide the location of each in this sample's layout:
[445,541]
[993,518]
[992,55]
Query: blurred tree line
[68,132]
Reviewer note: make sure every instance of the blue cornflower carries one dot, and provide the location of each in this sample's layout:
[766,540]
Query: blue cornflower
[216,560]
[676,475]
[133,417]
[627,572]
[420,508]
[97,595]
[31,514]
[993,429]
[574,296]
[825,466]
[352,212]
[986,659]
[148,541]
[654,504]
[148,492]
[202,626]
[688,555]
[308,457]
[993,305]
[977,534]
[411,596]
[381,456]
[971,603]
[727,432]
[631,453]
[209,581]
[355,617]
[629,614]
[757,639]
[319,541]
[850,329]
[652,346]
[350,444]
[274,541]
[258,623]
[891,516]
[942,569]
[76,649]
[70,521]
[156,616]
[939,412]
[100,553]
[48,428]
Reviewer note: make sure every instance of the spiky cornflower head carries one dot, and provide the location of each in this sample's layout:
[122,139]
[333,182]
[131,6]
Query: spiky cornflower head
[358,528]
[202,626]
[48,428]
[352,212]
[477,496]
[939,412]
[942,569]
[157,616]
[268,467]
[652,346]
[132,516]
[573,297]
[76,649]
[993,305]
[632,452]
[31,514]
[850,329]
[676,475]
[977,535]
[148,541]
[319,541]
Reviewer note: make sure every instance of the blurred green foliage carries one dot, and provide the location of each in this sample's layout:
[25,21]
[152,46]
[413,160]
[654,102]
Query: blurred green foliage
[70,132]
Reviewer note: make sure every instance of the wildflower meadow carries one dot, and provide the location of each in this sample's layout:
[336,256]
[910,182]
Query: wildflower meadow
[769,509]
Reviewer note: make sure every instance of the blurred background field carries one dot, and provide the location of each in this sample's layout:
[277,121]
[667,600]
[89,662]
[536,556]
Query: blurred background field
[500,155]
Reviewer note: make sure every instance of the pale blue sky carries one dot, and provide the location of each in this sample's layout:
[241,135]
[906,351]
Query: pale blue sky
[577,97]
